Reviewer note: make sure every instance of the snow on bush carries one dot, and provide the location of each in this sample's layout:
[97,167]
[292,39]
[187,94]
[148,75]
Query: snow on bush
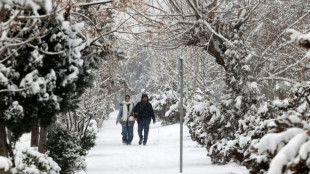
[41,71]
[287,153]
[30,161]
[5,163]
[272,136]
[281,146]
[196,121]
[166,106]
[301,163]
[299,38]
[14,113]
[279,153]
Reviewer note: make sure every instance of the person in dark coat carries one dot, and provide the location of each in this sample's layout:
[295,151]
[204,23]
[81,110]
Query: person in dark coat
[126,118]
[143,115]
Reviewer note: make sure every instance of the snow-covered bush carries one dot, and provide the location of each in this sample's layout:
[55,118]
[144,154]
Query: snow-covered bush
[88,139]
[65,148]
[196,120]
[282,146]
[280,152]
[285,147]
[260,136]
[14,112]
[301,163]
[29,161]
[239,102]
[166,106]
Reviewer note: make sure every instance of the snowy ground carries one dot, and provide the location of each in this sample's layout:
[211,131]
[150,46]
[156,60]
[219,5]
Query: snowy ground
[160,156]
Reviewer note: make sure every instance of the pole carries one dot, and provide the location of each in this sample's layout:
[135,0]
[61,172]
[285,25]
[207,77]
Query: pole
[181,113]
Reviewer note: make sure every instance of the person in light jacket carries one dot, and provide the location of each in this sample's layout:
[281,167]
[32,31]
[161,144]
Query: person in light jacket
[126,118]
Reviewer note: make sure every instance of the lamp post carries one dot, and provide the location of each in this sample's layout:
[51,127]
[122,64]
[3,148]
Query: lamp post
[181,113]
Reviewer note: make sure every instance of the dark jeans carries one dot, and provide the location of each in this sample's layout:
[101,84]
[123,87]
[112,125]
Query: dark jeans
[127,132]
[143,124]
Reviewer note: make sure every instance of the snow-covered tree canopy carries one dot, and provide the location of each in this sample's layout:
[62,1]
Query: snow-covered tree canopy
[245,70]
[248,40]
[41,60]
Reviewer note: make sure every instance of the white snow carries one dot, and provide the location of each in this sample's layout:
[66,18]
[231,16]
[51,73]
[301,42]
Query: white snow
[26,158]
[298,36]
[200,107]
[172,108]
[304,150]
[294,119]
[302,107]
[293,34]
[3,79]
[38,84]
[214,109]
[254,86]
[23,151]
[243,13]
[244,140]
[48,6]
[36,57]
[159,156]
[5,163]
[271,124]
[262,109]
[93,126]
[72,76]
[27,81]
[280,103]
[287,153]
[238,102]
[272,141]
[77,27]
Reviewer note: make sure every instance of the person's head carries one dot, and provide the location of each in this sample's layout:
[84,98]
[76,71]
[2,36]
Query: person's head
[127,98]
[145,98]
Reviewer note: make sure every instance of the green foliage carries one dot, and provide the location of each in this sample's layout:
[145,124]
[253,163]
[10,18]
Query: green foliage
[68,148]
[88,142]
[65,148]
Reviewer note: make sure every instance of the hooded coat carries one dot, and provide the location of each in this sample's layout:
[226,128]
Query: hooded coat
[144,110]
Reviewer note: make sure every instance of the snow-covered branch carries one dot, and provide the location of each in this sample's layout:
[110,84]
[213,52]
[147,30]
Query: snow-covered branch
[99,2]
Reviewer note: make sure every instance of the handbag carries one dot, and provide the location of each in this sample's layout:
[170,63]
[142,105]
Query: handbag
[131,118]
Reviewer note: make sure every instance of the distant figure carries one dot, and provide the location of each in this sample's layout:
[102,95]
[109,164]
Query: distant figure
[143,114]
[126,118]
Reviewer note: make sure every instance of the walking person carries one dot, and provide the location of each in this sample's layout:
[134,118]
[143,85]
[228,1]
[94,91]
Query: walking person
[143,114]
[126,118]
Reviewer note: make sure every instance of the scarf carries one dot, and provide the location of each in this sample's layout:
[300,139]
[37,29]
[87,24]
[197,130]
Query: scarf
[125,110]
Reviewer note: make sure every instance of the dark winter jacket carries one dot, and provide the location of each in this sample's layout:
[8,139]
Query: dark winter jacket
[144,110]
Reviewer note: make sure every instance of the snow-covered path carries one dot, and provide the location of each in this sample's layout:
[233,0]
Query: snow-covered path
[159,156]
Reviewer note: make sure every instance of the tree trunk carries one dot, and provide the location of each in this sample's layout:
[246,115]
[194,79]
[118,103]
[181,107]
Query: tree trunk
[42,142]
[3,172]
[3,145]
[3,141]
[35,136]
